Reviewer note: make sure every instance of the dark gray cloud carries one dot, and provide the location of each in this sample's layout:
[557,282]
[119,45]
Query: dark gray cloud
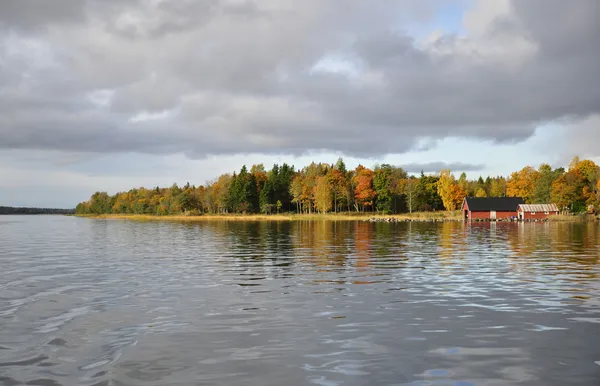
[224,77]
[33,14]
[435,167]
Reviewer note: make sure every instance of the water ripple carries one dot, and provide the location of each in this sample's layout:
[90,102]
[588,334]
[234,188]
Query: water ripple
[99,303]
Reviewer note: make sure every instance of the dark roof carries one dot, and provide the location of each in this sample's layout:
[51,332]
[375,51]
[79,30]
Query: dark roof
[503,204]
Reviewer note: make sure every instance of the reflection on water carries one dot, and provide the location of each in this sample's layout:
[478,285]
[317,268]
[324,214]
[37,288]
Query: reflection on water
[97,302]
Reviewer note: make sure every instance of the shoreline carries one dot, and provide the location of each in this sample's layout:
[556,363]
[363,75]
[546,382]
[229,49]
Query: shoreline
[373,217]
[367,217]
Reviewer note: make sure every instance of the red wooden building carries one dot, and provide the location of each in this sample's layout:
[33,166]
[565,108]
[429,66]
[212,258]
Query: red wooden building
[491,208]
[536,211]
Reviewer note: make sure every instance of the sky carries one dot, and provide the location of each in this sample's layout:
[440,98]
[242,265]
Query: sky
[115,94]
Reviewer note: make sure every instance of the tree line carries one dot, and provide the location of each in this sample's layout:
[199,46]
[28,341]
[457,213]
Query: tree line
[13,210]
[324,188]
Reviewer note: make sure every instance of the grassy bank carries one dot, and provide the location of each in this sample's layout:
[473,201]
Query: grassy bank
[148,217]
[572,218]
[417,216]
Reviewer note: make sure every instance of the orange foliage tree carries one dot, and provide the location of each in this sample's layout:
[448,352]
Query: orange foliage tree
[451,192]
[364,192]
[458,195]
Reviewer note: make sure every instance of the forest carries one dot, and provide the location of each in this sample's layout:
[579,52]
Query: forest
[13,210]
[326,188]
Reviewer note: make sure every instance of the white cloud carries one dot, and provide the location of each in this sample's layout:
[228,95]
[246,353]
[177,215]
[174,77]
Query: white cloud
[219,78]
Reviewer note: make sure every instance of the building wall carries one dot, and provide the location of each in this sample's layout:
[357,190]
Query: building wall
[505,215]
[486,215]
[537,215]
[479,215]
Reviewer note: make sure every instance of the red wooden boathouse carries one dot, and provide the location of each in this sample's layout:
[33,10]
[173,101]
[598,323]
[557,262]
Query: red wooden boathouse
[491,208]
[536,211]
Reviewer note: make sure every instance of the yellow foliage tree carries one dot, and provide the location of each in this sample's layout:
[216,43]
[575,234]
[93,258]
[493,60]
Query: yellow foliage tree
[323,195]
[480,193]
[522,184]
[564,189]
[587,175]
[588,169]
[449,190]
[498,187]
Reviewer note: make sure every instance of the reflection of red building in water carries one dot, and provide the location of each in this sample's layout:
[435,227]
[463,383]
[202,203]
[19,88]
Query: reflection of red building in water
[490,208]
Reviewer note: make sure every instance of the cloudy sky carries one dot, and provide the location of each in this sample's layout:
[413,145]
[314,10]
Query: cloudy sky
[114,94]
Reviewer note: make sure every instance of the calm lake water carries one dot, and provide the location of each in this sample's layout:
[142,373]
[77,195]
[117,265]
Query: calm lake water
[110,302]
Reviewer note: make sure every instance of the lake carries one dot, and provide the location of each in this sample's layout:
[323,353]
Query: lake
[113,302]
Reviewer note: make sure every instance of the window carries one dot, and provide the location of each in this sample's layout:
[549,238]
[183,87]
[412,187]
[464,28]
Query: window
[546,212]
[532,212]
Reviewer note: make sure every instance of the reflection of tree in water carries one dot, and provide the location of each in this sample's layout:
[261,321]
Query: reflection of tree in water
[390,245]
[322,243]
[347,248]
[260,248]
[575,242]
[524,242]
[452,241]
[560,247]
[362,243]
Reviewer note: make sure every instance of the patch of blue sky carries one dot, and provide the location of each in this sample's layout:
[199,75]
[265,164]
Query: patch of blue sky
[447,16]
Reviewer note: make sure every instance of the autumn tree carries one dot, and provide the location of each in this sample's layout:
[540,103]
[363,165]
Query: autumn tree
[208,199]
[565,190]
[463,182]
[445,187]
[337,182]
[387,188]
[381,185]
[364,192]
[543,185]
[522,184]
[450,192]
[221,191]
[342,183]
[498,187]
[458,195]
[199,193]
[323,195]
[296,192]
[100,203]
[577,188]
[122,203]
[590,173]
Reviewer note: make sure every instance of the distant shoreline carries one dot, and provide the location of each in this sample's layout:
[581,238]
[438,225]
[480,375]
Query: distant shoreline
[439,216]
[418,216]
[13,210]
